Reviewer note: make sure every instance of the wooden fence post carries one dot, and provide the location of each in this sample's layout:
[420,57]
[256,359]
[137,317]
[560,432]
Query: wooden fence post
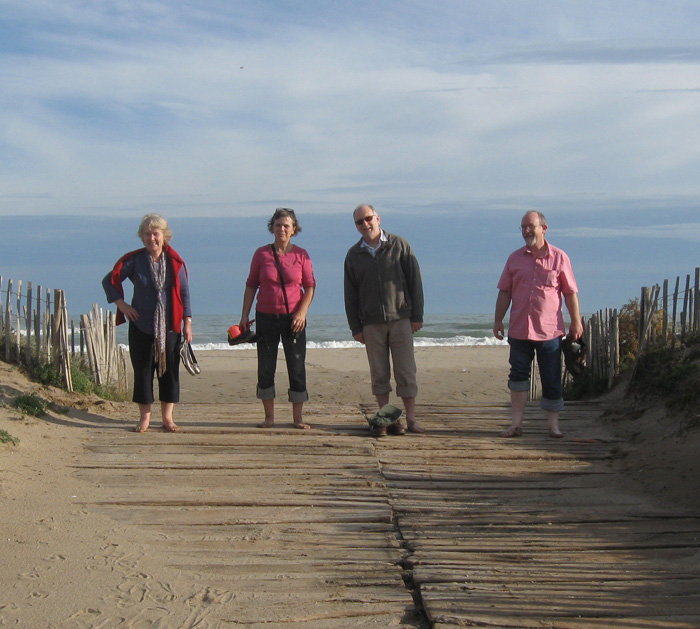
[60,356]
[2,315]
[28,322]
[18,325]
[614,348]
[675,313]
[686,306]
[8,320]
[696,310]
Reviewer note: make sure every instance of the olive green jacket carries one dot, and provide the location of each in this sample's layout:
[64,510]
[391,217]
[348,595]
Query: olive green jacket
[383,287]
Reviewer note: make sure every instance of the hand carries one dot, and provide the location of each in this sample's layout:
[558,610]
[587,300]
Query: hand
[298,323]
[575,330]
[498,330]
[188,330]
[130,313]
[359,337]
[415,326]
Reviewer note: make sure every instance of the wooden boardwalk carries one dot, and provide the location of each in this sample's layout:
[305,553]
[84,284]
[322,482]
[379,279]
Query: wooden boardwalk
[451,529]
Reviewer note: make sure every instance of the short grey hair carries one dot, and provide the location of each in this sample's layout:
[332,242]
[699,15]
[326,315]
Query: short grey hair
[371,207]
[542,217]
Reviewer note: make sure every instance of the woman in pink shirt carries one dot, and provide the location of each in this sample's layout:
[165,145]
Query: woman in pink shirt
[282,276]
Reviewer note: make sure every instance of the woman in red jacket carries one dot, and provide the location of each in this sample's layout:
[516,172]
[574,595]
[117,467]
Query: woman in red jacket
[159,314]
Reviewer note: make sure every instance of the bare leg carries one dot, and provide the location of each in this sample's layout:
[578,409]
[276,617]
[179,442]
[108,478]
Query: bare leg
[269,406]
[297,409]
[144,418]
[409,404]
[382,399]
[553,422]
[517,410]
[166,410]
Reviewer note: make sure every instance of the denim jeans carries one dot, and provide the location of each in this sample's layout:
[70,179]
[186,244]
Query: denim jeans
[270,329]
[549,362]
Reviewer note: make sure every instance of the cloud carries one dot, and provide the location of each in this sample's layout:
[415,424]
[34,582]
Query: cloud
[680,231]
[223,108]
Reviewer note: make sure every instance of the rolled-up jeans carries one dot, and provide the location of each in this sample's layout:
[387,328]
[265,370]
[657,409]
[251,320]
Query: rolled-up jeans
[549,362]
[270,328]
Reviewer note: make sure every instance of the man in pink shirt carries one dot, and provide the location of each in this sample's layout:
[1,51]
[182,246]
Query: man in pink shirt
[532,284]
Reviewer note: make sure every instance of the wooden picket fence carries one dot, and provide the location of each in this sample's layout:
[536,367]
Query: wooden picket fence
[33,334]
[106,358]
[666,319]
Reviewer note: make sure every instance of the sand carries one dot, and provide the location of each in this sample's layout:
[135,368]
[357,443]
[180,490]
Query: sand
[445,375]
[59,556]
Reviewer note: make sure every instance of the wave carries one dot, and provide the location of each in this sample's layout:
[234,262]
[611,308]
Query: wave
[455,341]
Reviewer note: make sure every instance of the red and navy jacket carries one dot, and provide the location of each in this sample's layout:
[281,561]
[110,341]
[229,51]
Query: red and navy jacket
[176,263]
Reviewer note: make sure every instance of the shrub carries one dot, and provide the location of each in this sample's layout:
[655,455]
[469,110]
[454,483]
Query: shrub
[6,437]
[629,331]
[30,404]
[46,373]
[629,324]
[673,375]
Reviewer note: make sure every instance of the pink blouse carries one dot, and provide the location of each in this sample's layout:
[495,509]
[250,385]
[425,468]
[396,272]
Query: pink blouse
[264,276]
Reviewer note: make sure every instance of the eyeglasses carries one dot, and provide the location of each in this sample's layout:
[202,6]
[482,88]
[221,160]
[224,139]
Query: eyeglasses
[366,219]
[524,228]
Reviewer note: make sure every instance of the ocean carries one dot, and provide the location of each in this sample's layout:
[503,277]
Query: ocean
[332,332]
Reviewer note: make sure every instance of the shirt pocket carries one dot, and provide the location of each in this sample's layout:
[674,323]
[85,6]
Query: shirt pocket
[547,277]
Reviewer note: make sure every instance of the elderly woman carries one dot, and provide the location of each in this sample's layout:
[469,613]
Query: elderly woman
[159,312]
[282,276]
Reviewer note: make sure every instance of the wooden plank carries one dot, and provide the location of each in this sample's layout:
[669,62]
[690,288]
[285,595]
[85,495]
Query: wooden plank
[340,530]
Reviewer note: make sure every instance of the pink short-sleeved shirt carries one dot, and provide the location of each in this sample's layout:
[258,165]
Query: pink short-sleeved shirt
[298,274]
[536,286]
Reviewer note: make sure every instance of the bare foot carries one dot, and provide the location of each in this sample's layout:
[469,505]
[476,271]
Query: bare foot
[171,427]
[302,426]
[268,423]
[141,427]
[414,426]
[513,431]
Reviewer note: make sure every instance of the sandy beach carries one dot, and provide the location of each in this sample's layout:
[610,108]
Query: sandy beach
[468,374]
[59,557]
[63,559]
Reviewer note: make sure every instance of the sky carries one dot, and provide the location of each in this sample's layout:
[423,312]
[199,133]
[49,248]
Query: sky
[451,117]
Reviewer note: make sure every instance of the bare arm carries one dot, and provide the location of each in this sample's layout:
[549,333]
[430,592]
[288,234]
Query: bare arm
[502,305]
[248,297]
[299,317]
[576,327]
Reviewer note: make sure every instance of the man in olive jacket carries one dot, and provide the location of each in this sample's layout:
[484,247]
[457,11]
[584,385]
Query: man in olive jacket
[384,307]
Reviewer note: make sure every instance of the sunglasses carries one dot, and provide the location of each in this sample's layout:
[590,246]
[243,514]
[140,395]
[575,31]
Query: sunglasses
[366,219]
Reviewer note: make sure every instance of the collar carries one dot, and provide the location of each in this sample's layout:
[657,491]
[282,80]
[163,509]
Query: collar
[370,248]
[545,251]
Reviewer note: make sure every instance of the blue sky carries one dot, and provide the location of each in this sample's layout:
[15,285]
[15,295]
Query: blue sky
[452,118]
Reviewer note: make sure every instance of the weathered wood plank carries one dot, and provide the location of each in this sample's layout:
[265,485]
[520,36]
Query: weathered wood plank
[345,531]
